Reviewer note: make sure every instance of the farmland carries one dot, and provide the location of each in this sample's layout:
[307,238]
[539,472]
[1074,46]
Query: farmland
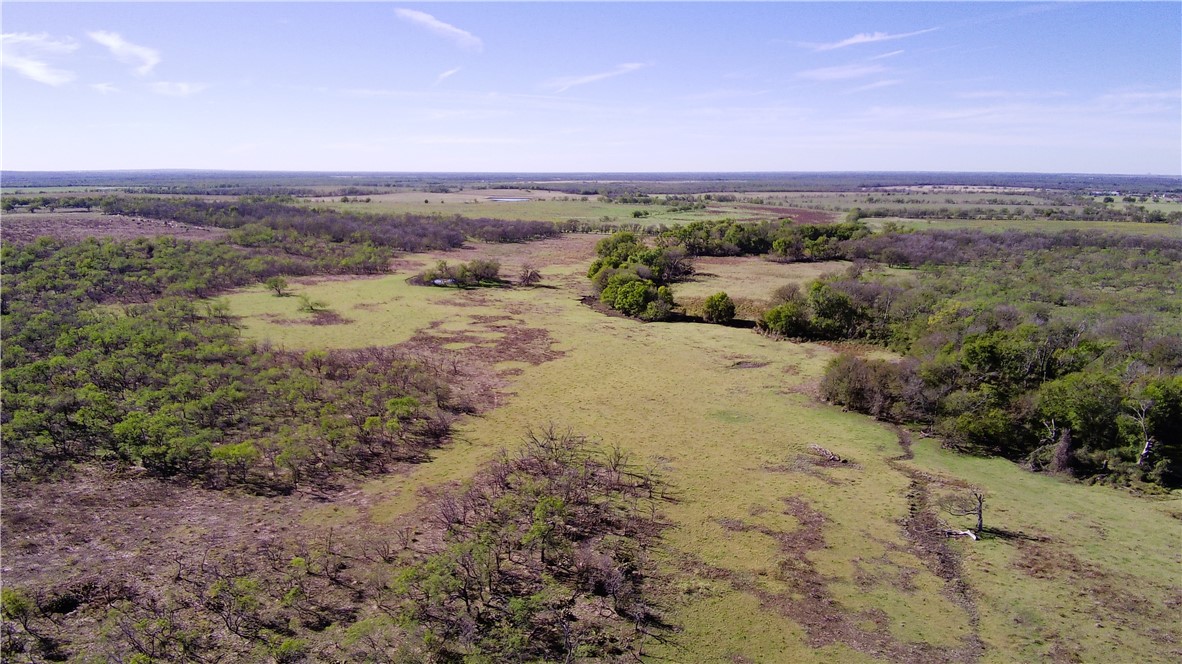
[771,525]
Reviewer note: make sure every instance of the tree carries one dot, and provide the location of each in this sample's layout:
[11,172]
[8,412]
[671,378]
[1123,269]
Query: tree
[972,504]
[719,308]
[529,275]
[277,284]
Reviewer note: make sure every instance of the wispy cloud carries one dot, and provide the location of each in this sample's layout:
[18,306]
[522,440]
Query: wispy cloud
[564,83]
[840,73]
[867,38]
[142,58]
[1010,94]
[884,56]
[446,75]
[462,38]
[26,54]
[177,89]
[104,88]
[875,85]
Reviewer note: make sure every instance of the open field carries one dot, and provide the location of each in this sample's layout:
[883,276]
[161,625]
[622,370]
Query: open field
[542,205]
[775,554]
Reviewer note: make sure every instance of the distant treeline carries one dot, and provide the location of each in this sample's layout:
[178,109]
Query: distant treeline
[596,183]
[408,232]
[1089,212]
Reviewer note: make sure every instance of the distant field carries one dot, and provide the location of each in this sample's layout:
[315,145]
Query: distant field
[774,555]
[550,206]
[1035,225]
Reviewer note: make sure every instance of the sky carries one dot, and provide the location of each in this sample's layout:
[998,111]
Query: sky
[594,87]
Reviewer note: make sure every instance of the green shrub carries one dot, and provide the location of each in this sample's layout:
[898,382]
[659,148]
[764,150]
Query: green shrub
[719,308]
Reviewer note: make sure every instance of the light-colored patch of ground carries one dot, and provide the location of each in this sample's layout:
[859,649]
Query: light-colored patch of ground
[750,278]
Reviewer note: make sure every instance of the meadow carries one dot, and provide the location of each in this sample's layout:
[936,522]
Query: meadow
[774,554]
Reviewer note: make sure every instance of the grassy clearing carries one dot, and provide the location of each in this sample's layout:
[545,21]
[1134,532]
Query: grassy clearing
[373,312]
[774,557]
[1102,569]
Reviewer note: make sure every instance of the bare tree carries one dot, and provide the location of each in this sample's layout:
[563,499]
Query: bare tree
[529,275]
[972,504]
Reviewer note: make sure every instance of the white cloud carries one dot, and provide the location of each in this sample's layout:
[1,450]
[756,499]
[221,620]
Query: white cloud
[875,85]
[564,83]
[104,88]
[142,58]
[462,38]
[445,75]
[25,54]
[867,38]
[840,73]
[177,89]
[886,55]
[1010,94]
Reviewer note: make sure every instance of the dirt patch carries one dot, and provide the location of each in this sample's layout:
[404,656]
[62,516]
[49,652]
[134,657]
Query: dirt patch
[125,524]
[809,603]
[472,367]
[24,227]
[324,317]
[814,463]
[1106,595]
[328,317]
[800,215]
[748,364]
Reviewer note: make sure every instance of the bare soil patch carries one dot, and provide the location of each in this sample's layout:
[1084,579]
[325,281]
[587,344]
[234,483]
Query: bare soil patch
[801,215]
[809,603]
[24,227]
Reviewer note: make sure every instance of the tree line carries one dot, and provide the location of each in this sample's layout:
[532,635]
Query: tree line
[1062,352]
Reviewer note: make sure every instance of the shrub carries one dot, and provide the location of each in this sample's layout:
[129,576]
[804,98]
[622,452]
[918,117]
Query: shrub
[790,319]
[719,308]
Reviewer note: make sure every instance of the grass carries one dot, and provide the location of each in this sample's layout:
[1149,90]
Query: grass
[734,442]
[376,312]
[1110,547]
[748,278]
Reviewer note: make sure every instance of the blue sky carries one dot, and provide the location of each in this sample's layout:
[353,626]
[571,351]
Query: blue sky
[770,86]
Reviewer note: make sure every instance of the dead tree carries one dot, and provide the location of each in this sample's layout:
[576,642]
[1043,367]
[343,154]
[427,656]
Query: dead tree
[970,505]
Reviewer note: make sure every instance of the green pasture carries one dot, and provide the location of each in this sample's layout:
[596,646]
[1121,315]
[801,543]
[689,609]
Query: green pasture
[727,417]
